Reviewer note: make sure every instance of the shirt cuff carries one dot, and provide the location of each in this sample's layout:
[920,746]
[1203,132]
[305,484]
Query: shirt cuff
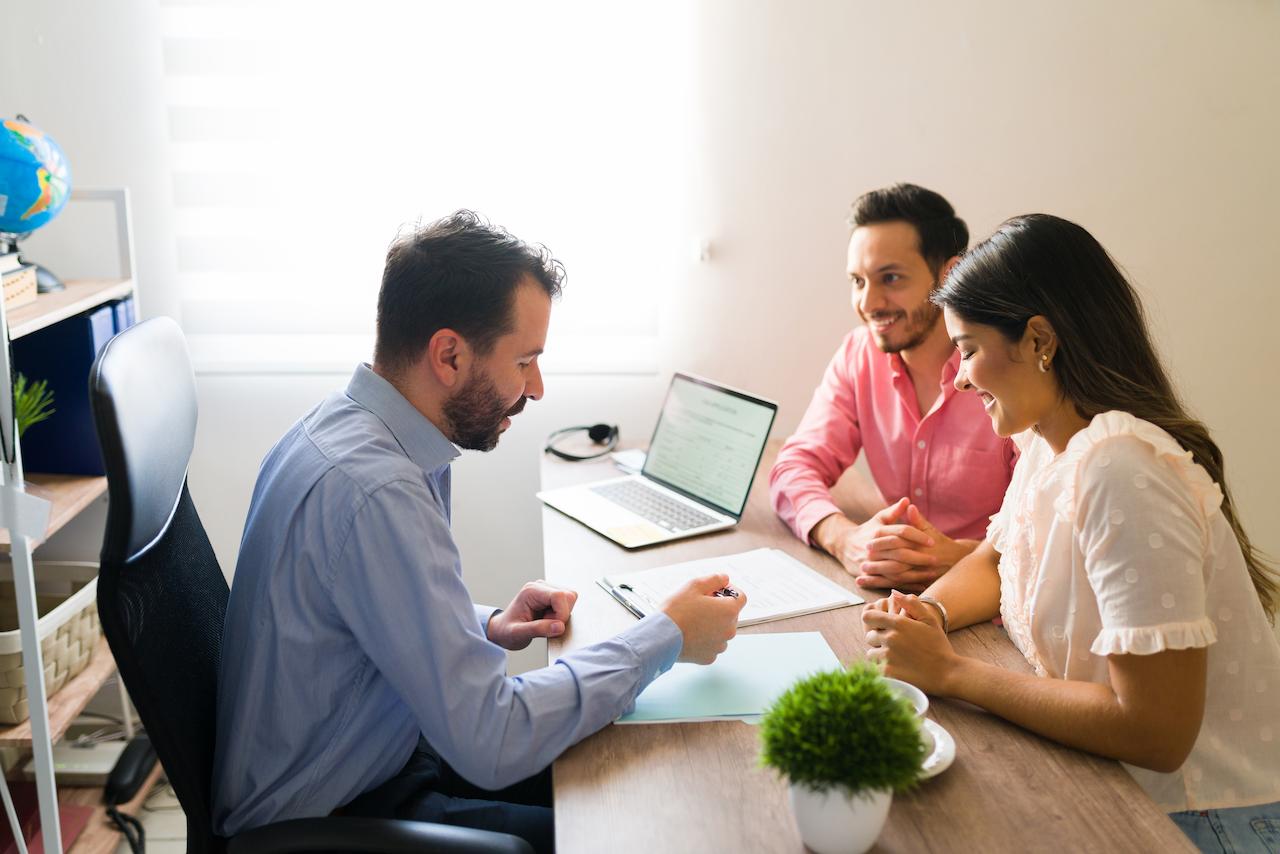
[485,613]
[808,517]
[656,640]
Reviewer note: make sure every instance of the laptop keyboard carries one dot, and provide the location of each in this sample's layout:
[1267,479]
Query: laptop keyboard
[659,508]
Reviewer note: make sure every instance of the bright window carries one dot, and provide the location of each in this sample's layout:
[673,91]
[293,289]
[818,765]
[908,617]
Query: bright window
[304,135]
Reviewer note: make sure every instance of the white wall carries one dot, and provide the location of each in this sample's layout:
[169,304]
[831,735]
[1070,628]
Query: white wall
[1152,123]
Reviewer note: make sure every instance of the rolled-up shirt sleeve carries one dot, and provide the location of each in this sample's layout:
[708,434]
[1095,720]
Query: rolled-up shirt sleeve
[825,444]
[397,584]
[1143,535]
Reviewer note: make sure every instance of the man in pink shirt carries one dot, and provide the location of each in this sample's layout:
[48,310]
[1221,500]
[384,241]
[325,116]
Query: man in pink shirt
[888,392]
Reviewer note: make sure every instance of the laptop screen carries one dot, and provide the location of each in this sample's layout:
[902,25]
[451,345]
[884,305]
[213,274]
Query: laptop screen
[708,442]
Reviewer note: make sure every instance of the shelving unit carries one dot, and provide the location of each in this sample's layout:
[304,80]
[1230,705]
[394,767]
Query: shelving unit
[67,704]
[25,528]
[99,835]
[79,296]
[67,495]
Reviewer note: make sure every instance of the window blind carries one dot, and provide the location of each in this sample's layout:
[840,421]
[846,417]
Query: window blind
[305,136]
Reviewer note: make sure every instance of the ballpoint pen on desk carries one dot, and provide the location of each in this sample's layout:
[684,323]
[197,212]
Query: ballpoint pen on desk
[622,599]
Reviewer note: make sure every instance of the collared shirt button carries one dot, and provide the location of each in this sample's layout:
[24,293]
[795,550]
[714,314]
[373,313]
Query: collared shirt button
[919,492]
[920,444]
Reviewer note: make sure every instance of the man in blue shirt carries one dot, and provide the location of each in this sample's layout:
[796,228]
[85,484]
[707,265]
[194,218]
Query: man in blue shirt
[356,672]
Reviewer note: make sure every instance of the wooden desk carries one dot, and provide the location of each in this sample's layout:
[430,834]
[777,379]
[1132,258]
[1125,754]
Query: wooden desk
[697,787]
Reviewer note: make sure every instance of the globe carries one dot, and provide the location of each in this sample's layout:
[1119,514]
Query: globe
[34,177]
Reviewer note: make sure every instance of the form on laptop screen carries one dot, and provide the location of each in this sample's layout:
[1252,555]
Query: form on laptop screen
[708,442]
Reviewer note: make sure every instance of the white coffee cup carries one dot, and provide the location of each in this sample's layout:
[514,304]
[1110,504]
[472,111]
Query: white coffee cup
[913,695]
[920,702]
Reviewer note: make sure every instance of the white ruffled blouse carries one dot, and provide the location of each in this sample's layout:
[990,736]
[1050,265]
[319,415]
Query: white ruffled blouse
[1118,545]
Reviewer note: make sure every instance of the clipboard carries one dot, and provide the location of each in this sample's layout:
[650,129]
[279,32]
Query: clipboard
[777,586]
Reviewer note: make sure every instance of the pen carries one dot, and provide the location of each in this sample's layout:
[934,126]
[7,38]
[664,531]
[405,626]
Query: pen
[622,599]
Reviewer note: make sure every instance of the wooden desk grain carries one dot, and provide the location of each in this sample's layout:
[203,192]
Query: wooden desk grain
[698,787]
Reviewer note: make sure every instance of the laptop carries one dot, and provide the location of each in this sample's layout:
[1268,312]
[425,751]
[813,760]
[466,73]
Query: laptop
[697,474]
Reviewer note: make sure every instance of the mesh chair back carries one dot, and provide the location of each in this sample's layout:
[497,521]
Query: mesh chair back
[161,593]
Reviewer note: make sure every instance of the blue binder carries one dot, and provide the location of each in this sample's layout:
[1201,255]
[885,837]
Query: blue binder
[62,354]
[123,314]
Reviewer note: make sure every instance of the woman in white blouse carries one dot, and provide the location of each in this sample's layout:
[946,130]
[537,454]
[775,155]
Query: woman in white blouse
[1117,561]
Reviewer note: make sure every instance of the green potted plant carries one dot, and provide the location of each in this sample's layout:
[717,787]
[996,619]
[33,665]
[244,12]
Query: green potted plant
[32,403]
[845,741]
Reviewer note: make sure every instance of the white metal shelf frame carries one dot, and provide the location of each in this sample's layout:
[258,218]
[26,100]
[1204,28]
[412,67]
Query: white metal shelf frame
[26,517]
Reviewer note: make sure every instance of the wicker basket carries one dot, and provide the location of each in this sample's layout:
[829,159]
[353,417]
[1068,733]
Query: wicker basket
[67,600]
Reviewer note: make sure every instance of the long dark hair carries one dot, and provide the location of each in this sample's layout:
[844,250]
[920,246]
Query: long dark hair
[1043,265]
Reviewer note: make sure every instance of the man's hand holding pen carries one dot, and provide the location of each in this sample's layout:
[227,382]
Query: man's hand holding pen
[706,612]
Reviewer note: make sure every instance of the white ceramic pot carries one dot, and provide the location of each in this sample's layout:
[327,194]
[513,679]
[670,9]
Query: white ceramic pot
[834,822]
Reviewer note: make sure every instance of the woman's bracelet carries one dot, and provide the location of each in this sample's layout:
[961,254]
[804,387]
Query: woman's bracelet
[942,609]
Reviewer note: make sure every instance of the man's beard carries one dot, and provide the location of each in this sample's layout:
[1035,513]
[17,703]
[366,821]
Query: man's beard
[475,414]
[920,323]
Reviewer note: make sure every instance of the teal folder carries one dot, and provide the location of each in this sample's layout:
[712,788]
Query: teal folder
[740,685]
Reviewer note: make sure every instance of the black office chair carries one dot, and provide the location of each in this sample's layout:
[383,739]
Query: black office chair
[162,598]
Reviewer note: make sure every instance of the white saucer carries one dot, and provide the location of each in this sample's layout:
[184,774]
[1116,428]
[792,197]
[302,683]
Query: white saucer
[943,753]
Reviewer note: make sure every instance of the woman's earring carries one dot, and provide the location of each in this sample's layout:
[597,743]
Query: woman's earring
[1044,363]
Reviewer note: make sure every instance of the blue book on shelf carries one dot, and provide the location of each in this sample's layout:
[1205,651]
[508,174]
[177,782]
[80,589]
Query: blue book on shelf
[62,354]
[123,314]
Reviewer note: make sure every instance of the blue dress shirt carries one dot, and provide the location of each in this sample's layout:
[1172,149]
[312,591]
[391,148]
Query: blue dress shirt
[349,630]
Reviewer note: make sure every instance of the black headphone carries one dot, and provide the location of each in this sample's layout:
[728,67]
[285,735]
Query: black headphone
[601,434]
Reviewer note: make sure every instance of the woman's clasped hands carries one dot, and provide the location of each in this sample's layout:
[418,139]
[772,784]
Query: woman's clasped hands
[906,636]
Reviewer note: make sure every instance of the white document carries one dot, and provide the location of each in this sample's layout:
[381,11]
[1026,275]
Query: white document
[777,585]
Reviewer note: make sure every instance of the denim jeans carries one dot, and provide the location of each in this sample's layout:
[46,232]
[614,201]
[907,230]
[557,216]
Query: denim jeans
[1239,830]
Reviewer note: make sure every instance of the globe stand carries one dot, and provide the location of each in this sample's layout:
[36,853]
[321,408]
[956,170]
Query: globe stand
[47,282]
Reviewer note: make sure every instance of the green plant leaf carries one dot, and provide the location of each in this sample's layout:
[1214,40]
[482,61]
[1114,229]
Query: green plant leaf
[32,403]
[846,729]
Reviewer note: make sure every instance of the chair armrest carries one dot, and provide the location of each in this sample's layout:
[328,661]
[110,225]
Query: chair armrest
[383,836]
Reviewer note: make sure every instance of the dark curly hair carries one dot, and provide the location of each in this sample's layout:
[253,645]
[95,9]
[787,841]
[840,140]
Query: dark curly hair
[458,273]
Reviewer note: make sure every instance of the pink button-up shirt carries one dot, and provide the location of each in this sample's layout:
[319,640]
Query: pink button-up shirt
[949,462]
